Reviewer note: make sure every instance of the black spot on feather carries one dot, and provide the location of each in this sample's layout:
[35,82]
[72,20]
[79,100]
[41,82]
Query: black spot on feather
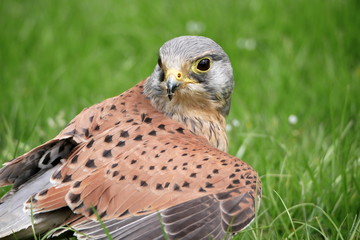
[86,132]
[148,120]
[201,190]
[47,158]
[74,197]
[74,159]
[180,130]
[56,161]
[209,185]
[230,186]
[138,138]
[186,184]
[108,139]
[57,175]
[103,214]
[67,178]
[89,145]
[43,192]
[124,134]
[124,213]
[77,184]
[90,163]
[152,133]
[177,187]
[107,153]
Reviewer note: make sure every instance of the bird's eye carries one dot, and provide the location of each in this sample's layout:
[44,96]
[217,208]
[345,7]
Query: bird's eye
[203,64]
[159,62]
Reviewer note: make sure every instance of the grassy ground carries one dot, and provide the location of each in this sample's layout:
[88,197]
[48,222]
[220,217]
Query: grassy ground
[296,106]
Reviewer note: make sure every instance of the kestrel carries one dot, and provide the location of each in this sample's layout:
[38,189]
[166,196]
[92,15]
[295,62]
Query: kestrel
[149,163]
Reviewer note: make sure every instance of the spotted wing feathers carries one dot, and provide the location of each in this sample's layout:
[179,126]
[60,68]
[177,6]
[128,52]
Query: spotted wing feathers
[143,168]
[128,161]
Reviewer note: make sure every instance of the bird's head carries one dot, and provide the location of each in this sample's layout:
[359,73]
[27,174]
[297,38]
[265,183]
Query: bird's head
[193,73]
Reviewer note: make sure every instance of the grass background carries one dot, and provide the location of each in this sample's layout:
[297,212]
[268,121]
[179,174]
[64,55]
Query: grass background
[296,57]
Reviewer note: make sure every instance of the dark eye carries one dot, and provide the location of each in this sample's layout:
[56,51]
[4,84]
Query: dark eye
[159,62]
[203,64]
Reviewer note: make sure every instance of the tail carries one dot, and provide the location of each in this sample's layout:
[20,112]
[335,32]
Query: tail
[29,174]
[13,218]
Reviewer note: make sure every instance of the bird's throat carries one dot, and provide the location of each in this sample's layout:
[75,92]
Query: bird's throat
[211,126]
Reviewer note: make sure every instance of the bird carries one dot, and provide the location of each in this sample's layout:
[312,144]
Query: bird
[150,163]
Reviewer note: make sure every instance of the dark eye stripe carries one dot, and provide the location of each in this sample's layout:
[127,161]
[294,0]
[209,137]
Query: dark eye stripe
[161,76]
[159,62]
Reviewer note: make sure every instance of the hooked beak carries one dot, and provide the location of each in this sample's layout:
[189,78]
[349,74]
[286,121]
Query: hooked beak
[174,80]
[171,85]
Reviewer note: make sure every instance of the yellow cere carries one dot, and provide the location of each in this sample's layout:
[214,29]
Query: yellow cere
[180,76]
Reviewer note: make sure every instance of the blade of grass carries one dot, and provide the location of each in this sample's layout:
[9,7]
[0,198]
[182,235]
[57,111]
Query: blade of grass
[288,213]
[106,231]
[32,219]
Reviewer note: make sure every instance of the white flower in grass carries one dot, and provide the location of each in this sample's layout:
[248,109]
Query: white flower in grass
[24,147]
[51,122]
[58,121]
[246,43]
[194,27]
[9,153]
[293,119]
[235,122]
[40,131]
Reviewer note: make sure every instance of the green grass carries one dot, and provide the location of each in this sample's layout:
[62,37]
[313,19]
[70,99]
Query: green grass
[297,57]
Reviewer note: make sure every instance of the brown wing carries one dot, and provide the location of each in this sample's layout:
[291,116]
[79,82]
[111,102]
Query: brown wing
[150,163]
[131,160]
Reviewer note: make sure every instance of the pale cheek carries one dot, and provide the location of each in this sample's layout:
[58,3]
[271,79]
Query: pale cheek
[195,87]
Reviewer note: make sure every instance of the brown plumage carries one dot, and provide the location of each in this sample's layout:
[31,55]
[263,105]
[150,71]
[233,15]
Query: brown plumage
[140,153]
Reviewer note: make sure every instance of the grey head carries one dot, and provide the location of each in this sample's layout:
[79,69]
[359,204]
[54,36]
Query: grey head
[193,73]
